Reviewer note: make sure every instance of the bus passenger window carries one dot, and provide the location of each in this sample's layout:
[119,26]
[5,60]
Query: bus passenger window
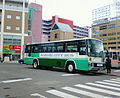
[82,50]
[72,47]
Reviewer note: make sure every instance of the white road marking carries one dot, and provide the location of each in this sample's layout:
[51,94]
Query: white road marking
[115,79]
[69,75]
[82,92]
[98,89]
[36,94]
[61,94]
[111,81]
[17,80]
[104,86]
[112,84]
[117,71]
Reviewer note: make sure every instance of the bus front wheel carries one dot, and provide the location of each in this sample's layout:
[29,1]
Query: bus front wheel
[70,67]
[35,64]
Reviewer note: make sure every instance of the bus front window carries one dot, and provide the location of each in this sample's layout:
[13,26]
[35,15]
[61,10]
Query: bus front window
[95,48]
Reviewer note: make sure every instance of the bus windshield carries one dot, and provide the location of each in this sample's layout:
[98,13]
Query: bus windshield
[95,48]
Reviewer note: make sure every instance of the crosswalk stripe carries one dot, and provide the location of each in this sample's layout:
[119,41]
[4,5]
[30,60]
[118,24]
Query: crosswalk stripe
[82,92]
[115,79]
[107,83]
[61,94]
[111,81]
[98,89]
[104,86]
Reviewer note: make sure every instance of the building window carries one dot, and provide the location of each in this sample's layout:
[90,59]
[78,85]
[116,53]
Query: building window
[8,27]
[57,35]
[18,28]
[9,16]
[18,17]
[12,40]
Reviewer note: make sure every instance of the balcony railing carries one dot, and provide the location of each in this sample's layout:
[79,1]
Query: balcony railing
[14,7]
[18,0]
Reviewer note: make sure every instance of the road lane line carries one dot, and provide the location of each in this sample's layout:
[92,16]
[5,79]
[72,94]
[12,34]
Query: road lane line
[112,84]
[17,80]
[69,75]
[104,86]
[111,81]
[98,89]
[82,92]
[61,94]
[36,94]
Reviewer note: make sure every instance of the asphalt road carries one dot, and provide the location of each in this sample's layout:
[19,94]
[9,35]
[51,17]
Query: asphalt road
[22,81]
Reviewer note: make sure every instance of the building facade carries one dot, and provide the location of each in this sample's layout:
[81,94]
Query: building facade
[78,32]
[13,28]
[109,33]
[103,14]
[46,27]
[106,25]
[34,23]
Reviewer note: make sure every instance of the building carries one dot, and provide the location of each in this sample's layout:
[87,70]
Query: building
[107,28]
[109,32]
[34,23]
[61,30]
[103,14]
[46,27]
[81,32]
[13,28]
[40,30]
[78,32]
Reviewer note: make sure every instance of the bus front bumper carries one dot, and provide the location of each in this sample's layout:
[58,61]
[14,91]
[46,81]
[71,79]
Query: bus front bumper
[96,66]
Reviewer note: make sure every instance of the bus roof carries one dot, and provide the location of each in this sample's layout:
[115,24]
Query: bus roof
[61,41]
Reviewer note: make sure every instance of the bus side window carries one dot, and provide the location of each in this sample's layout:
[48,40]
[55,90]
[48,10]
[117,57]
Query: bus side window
[50,49]
[59,47]
[35,49]
[114,56]
[82,50]
[71,46]
[28,50]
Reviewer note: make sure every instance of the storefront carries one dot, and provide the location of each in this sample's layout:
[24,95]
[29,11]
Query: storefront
[11,47]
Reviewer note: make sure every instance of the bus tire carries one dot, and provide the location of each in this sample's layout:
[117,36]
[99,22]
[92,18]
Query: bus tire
[70,67]
[35,64]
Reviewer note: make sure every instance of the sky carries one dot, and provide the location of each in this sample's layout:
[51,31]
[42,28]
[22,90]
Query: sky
[79,11]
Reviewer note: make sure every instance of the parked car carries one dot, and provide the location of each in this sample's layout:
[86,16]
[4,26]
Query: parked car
[21,61]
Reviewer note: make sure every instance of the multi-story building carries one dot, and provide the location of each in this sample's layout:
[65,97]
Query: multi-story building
[103,14]
[81,32]
[78,32]
[110,34]
[108,28]
[34,23]
[39,30]
[46,27]
[13,28]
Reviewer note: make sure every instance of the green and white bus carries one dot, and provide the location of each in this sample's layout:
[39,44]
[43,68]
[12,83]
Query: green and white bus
[85,54]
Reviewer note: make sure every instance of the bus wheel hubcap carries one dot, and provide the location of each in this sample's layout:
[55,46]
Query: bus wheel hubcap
[35,65]
[70,68]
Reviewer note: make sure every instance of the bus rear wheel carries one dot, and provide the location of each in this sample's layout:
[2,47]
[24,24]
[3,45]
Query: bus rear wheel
[70,67]
[35,64]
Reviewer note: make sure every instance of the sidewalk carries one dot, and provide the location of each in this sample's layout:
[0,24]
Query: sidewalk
[116,72]
[10,61]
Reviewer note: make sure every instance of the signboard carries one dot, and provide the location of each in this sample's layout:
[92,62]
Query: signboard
[11,48]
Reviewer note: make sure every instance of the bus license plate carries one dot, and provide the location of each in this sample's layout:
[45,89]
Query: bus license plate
[99,65]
